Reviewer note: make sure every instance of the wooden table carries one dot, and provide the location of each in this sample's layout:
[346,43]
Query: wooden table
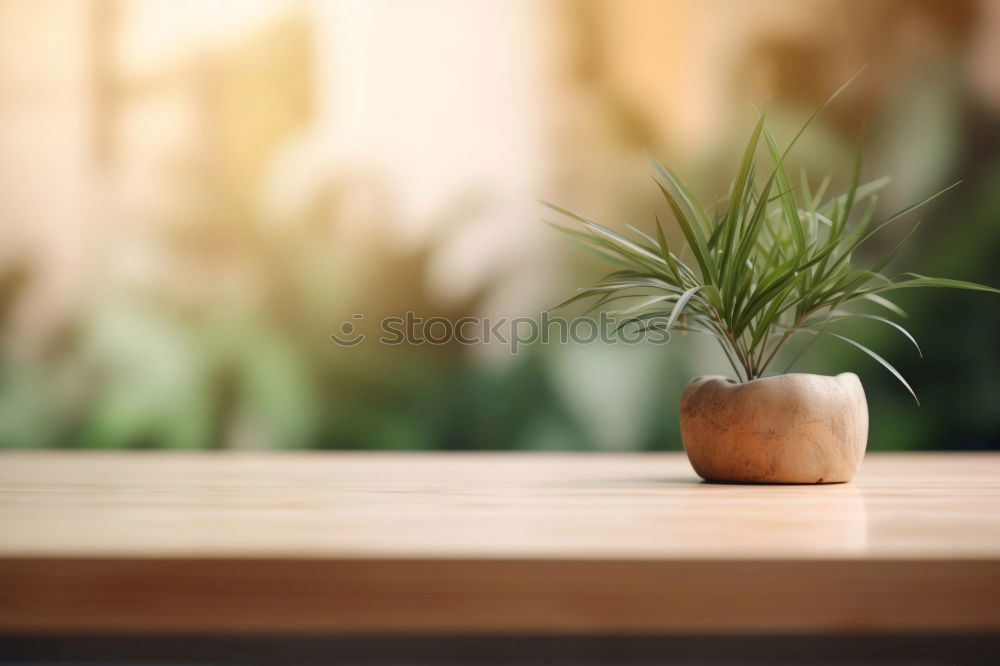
[476,543]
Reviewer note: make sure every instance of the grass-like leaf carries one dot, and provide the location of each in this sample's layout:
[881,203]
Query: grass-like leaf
[885,363]
[769,261]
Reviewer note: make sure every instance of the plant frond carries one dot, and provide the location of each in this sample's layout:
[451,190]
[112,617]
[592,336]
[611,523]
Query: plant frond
[770,261]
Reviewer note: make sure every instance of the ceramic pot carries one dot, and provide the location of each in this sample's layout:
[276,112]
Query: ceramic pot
[793,428]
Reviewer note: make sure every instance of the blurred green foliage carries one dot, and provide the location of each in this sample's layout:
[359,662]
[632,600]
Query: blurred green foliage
[229,348]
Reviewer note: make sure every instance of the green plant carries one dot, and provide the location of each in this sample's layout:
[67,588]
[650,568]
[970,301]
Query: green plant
[774,261]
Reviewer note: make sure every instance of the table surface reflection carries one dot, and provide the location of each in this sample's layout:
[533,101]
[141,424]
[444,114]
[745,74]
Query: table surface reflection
[491,542]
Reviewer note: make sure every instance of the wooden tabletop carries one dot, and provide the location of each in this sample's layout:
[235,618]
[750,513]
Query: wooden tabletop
[487,543]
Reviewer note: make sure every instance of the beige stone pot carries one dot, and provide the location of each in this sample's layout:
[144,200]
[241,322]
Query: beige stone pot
[793,428]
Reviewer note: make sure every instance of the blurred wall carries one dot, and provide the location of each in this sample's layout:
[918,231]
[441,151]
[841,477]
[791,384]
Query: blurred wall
[196,194]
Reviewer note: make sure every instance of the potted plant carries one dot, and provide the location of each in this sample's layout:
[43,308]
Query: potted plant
[770,262]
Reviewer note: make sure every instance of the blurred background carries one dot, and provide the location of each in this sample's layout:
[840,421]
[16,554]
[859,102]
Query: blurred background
[195,194]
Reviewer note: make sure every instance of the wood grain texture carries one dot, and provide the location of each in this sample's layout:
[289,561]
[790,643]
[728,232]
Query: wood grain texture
[350,542]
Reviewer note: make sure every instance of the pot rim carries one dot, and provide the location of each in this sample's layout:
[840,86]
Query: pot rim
[733,382]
